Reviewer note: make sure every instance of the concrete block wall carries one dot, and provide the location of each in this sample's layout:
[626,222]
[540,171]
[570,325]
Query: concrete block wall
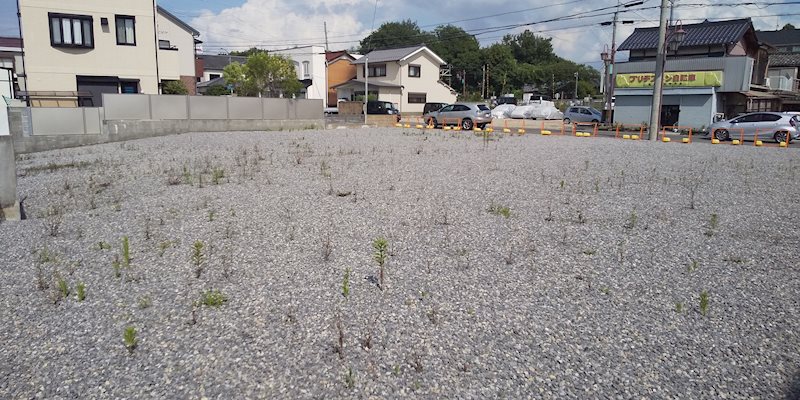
[127,117]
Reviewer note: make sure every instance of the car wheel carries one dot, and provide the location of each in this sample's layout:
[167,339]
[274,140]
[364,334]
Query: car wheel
[466,124]
[722,135]
[780,136]
[566,120]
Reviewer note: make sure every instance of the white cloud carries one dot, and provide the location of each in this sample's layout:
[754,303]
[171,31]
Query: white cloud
[285,23]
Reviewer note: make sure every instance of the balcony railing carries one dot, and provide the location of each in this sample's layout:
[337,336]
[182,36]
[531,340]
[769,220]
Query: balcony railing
[783,83]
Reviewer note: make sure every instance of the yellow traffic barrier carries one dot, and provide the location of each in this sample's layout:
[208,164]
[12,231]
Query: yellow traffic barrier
[626,136]
[490,130]
[714,141]
[476,129]
[665,139]
[735,142]
[506,130]
[420,126]
[398,125]
[546,133]
[782,144]
[759,143]
[407,126]
[634,137]
[521,131]
[686,140]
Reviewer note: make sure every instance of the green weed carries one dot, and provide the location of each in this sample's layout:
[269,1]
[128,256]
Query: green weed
[500,210]
[126,251]
[632,219]
[81,291]
[129,338]
[346,282]
[216,175]
[213,298]
[380,256]
[704,302]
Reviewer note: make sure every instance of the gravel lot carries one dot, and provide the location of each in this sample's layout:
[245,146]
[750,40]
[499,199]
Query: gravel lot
[519,267]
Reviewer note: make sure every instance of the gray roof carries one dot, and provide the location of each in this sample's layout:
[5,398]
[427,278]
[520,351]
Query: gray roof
[703,34]
[218,62]
[215,81]
[390,54]
[178,21]
[781,37]
[784,60]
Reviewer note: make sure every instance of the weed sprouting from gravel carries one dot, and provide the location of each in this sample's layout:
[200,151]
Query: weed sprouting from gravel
[324,169]
[117,267]
[692,266]
[327,247]
[126,251]
[338,347]
[416,363]
[197,258]
[144,302]
[54,219]
[381,246]
[632,219]
[211,214]
[213,298]
[346,282]
[500,210]
[80,289]
[216,175]
[62,286]
[350,379]
[163,246]
[704,302]
[129,338]
[678,307]
[713,222]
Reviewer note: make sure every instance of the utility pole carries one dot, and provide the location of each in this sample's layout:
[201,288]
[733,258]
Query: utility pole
[576,86]
[483,82]
[658,85]
[612,70]
[325,28]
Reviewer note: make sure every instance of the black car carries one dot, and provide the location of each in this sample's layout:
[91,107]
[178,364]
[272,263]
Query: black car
[381,107]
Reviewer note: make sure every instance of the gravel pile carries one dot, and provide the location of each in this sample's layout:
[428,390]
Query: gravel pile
[516,267]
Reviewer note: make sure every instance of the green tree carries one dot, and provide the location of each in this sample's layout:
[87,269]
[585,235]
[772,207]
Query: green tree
[788,27]
[395,34]
[263,75]
[246,53]
[460,50]
[217,90]
[174,87]
[502,67]
[529,48]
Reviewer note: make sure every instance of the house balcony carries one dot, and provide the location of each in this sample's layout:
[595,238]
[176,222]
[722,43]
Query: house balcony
[783,83]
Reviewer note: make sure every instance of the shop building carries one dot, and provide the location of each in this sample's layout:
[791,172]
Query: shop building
[718,71]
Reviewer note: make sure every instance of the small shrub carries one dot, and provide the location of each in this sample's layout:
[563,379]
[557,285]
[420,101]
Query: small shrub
[163,246]
[54,218]
[213,298]
[129,338]
[81,291]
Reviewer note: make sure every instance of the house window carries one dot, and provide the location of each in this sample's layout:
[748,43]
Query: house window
[306,72]
[71,30]
[417,98]
[377,70]
[213,76]
[414,71]
[126,31]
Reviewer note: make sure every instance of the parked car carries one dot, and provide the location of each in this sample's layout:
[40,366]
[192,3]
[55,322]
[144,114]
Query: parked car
[505,100]
[582,114]
[770,125]
[382,107]
[431,107]
[469,115]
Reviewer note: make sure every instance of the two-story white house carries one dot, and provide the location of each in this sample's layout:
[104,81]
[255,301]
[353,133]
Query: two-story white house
[309,61]
[76,50]
[408,77]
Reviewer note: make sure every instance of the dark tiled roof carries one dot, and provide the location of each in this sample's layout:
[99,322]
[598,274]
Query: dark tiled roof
[784,60]
[218,62]
[389,54]
[10,42]
[780,38]
[215,81]
[702,34]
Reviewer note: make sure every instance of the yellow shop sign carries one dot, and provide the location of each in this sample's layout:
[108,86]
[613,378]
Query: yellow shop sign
[679,79]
